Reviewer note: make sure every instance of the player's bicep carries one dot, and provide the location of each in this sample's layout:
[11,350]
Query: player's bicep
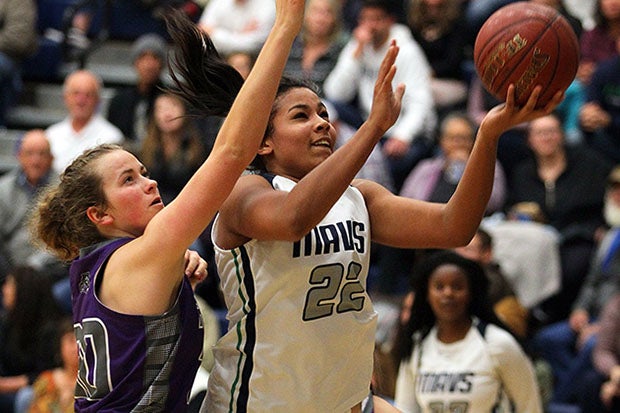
[401,222]
[254,210]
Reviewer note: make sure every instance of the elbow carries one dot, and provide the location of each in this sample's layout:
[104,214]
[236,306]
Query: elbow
[461,238]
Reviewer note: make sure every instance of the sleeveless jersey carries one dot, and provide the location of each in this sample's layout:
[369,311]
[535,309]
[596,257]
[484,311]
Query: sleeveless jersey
[472,375]
[301,325]
[131,362]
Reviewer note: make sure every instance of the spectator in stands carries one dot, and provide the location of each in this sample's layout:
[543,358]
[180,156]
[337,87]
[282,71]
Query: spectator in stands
[241,61]
[28,329]
[606,358]
[568,184]
[172,150]
[131,107]
[316,49]
[567,345]
[18,40]
[438,26]
[238,25]
[435,179]
[53,390]
[600,115]
[501,294]
[84,127]
[18,190]
[574,22]
[599,43]
[410,139]
[527,249]
[453,339]
[476,13]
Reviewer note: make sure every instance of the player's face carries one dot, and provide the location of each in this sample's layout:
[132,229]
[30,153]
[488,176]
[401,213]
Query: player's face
[301,137]
[132,197]
[448,294]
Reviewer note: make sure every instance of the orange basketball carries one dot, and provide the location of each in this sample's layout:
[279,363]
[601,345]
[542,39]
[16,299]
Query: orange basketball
[526,44]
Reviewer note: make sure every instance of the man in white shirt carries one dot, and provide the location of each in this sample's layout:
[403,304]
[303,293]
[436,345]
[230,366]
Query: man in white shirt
[238,26]
[84,127]
[409,140]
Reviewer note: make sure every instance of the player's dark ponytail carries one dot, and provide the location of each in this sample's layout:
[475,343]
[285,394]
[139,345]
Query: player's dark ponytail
[201,76]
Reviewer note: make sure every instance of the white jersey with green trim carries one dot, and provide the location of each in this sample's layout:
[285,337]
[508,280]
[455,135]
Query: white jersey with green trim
[478,374]
[301,324]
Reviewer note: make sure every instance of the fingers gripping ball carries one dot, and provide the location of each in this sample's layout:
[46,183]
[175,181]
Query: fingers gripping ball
[526,44]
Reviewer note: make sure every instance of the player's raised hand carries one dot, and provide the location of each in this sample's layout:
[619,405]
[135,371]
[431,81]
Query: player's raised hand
[290,14]
[507,115]
[386,102]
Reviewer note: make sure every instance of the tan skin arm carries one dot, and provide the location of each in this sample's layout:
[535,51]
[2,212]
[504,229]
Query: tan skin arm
[143,276]
[408,223]
[255,210]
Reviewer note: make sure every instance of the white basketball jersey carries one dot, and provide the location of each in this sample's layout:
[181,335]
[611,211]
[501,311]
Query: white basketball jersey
[301,325]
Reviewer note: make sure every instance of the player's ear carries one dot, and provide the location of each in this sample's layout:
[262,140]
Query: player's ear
[266,147]
[98,216]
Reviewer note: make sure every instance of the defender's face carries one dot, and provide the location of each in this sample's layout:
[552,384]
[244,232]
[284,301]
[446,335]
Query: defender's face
[132,197]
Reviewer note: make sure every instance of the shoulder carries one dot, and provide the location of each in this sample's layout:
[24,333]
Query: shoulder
[104,126]
[9,177]
[500,341]
[56,128]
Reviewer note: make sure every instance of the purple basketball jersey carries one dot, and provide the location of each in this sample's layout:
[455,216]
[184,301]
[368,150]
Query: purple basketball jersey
[128,362]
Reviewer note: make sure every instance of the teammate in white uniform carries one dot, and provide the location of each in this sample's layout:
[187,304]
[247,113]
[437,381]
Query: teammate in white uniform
[301,332]
[453,361]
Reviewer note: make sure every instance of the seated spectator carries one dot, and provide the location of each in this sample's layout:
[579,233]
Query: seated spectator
[238,25]
[528,253]
[600,115]
[512,147]
[599,43]
[501,294]
[453,338]
[436,178]
[172,149]
[84,127]
[315,51]
[18,40]
[53,390]
[19,189]
[131,107]
[568,184]
[410,139]
[606,358]
[438,27]
[28,333]
[477,12]
[559,6]
[567,345]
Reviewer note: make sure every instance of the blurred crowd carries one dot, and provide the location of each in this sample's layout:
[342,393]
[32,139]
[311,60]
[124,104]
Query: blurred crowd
[547,247]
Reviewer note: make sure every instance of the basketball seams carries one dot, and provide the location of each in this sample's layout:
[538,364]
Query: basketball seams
[522,54]
[526,44]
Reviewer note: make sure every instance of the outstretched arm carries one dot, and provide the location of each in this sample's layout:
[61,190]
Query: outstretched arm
[433,225]
[256,211]
[156,259]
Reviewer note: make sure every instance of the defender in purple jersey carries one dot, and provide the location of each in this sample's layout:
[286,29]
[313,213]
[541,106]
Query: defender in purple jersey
[138,327]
